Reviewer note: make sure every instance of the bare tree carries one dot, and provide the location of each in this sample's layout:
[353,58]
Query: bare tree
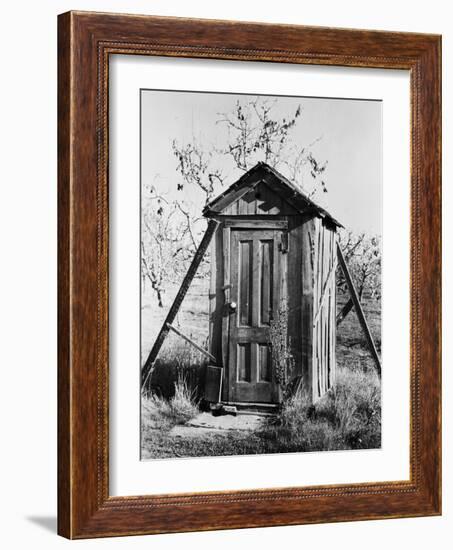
[256,133]
[196,166]
[363,257]
[172,229]
[166,242]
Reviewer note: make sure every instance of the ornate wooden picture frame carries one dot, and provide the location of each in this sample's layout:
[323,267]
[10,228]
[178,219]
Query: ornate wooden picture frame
[85,42]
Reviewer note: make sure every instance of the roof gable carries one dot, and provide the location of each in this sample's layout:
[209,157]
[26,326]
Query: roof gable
[274,194]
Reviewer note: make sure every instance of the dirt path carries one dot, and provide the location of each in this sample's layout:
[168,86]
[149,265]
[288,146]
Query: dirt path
[205,423]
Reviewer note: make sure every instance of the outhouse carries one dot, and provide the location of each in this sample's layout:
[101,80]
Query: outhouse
[273,249]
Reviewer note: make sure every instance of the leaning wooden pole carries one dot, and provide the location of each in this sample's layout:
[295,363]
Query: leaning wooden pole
[148,366]
[192,343]
[359,310]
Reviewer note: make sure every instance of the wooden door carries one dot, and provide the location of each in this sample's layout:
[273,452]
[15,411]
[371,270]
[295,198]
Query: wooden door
[256,281]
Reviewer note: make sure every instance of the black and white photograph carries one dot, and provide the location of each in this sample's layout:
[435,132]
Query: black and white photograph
[260,251]
[225,275]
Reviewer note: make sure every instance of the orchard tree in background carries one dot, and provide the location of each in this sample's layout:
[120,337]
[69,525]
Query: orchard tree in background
[172,229]
[164,242]
[254,134]
[362,254]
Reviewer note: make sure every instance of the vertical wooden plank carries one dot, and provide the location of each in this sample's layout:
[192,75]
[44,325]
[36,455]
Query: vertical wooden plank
[244,362]
[255,279]
[314,244]
[213,384]
[281,264]
[259,199]
[270,198]
[245,281]
[327,257]
[216,296]
[292,289]
[322,316]
[251,207]
[334,315]
[253,362]
[304,262]
[264,359]
[279,271]
[333,309]
[266,199]
[242,207]
[266,262]
[325,348]
[228,374]
[319,290]
[329,340]
[327,306]
[327,311]
[314,368]
[212,298]
[275,305]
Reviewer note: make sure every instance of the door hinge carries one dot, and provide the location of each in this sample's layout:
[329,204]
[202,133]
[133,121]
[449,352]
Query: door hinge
[284,242]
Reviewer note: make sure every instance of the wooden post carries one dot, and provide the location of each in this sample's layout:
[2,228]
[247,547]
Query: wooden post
[192,343]
[359,310]
[344,311]
[149,364]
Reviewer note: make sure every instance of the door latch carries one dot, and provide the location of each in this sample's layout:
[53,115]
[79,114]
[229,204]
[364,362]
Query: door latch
[284,242]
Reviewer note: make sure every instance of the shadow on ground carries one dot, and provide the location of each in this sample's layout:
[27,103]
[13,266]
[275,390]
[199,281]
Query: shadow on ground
[48,523]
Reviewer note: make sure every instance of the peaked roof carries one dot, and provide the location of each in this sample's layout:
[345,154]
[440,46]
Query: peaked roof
[262,172]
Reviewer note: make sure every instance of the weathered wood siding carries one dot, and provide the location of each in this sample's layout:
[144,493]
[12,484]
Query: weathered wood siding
[216,295]
[294,259]
[309,229]
[308,282]
[260,200]
[324,300]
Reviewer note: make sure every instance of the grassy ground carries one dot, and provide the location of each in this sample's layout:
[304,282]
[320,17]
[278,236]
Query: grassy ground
[347,418]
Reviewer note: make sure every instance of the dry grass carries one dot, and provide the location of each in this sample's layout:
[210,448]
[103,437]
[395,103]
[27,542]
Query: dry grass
[167,413]
[178,359]
[348,417]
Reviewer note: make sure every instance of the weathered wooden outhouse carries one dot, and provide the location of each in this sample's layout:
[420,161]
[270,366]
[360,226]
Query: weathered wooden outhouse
[273,248]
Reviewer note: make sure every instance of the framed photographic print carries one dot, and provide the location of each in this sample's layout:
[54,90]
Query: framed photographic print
[249,275]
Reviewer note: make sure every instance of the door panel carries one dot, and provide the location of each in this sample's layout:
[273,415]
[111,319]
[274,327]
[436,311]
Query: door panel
[245,277]
[243,363]
[264,372]
[255,288]
[266,258]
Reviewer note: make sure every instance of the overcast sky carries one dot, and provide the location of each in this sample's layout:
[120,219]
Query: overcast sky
[348,134]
